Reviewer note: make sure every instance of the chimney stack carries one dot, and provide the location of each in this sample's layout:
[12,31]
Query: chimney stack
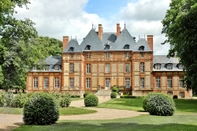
[118,30]
[150,41]
[100,31]
[65,42]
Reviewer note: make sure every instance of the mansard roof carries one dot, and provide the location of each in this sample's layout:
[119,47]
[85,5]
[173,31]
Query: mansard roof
[72,44]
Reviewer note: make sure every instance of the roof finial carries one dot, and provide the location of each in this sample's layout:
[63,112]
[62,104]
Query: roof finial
[125,25]
[92,25]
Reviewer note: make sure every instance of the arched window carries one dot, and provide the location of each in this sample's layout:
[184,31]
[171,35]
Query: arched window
[169,66]
[126,46]
[157,66]
[180,66]
[107,47]
[57,67]
[87,47]
[141,48]
[71,49]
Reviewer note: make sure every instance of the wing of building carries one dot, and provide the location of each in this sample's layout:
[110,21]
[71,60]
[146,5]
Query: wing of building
[105,59]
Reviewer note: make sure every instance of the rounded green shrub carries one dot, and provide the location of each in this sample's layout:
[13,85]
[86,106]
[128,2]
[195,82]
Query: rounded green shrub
[146,101]
[85,94]
[91,100]
[160,104]
[65,101]
[115,89]
[2,99]
[19,100]
[41,109]
[8,96]
[113,95]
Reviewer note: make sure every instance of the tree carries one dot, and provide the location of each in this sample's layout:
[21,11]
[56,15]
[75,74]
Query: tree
[180,28]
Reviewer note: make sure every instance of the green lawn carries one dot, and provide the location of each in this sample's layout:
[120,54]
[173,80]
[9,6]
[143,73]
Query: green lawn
[185,119]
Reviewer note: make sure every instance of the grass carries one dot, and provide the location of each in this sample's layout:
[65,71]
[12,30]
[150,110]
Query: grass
[9,110]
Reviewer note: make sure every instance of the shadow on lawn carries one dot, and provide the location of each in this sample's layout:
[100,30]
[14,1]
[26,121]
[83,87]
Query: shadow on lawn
[107,126]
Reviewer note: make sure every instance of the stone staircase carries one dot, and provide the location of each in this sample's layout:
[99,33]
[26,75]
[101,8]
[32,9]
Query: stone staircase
[103,92]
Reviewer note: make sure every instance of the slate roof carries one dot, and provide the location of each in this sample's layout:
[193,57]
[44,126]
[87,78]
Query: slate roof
[142,42]
[73,43]
[164,60]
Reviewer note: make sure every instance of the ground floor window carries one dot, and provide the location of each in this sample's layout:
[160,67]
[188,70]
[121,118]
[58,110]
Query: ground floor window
[88,82]
[127,82]
[142,82]
[35,82]
[107,82]
[158,82]
[181,82]
[57,82]
[169,82]
[46,82]
[71,82]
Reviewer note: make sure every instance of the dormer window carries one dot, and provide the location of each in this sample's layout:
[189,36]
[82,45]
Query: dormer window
[57,67]
[141,48]
[169,66]
[34,68]
[46,67]
[126,46]
[107,47]
[180,66]
[87,47]
[157,66]
[71,49]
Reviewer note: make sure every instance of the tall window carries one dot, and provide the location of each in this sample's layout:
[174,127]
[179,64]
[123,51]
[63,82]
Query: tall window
[71,67]
[181,82]
[142,82]
[107,68]
[169,82]
[127,55]
[107,55]
[88,56]
[107,80]
[127,69]
[46,82]
[57,82]
[88,68]
[35,82]
[88,82]
[71,82]
[158,82]
[127,82]
[141,66]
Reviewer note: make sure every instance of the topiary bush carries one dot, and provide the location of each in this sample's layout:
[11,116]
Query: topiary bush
[85,94]
[19,100]
[41,109]
[146,101]
[160,104]
[115,89]
[113,95]
[65,100]
[91,100]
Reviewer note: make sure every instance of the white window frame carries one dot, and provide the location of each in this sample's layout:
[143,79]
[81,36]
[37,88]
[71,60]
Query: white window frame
[88,55]
[35,82]
[158,82]
[142,82]
[127,55]
[181,82]
[107,82]
[72,67]
[57,82]
[107,68]
[169,66]
[158,66]
[169,79]
[88,82]
[88,68]
[142,67]
[127,82]
[71,83]
[107,55]
[46,82]
[127,67]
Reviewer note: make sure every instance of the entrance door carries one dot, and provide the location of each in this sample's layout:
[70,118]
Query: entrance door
[107,83]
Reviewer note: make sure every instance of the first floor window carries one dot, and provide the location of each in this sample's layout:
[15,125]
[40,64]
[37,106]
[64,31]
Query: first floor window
[107,68]
[57,82]
[46,82]
[170,82]
[35,82]
[181,82]
[88,55]
[107,55]
[71,67]
[88,68]
[127,54]
[127,67]
[71,82]
[88,82]
[127,82]
[142,82]
[158,82]
[107,82]
[141,66]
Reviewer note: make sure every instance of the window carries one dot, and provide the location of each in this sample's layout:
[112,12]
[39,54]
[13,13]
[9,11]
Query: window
[34,68]
[88,55]
[107,55]
[71,55]
[87,47]
[142,82]
[169,66]
[57,82]
[71,67]
[88,68]
[71,49]
[71,82]
[35,82]
[57,67]
[126,46]
[141,66]
[180,66]
[158,82]
[141,48]
[88,82]
[107,68]
[181,82]
[107,80]
[170,82]
[46,67]
[158,66]
[127,55]
[107,47]
[46,82]
[170,93]
[127,82]
[142,54]
[127,69]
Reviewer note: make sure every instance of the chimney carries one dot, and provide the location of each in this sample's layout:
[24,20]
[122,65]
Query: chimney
[150,41]
[117,30]
[100,31]
[65,42]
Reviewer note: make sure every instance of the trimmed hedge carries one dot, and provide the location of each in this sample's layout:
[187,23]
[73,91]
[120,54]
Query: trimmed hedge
[113,95]
[159,104]
[41,109]
[85,94]
[19,100]
[91,100]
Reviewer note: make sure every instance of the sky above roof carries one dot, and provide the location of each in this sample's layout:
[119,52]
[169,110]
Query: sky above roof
[58,18]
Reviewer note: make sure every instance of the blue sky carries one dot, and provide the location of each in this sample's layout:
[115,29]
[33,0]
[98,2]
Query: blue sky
[74,18]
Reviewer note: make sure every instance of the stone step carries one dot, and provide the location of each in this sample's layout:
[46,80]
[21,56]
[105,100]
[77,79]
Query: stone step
[103,92]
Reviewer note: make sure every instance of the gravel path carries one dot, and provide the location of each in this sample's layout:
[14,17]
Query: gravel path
[9,122]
